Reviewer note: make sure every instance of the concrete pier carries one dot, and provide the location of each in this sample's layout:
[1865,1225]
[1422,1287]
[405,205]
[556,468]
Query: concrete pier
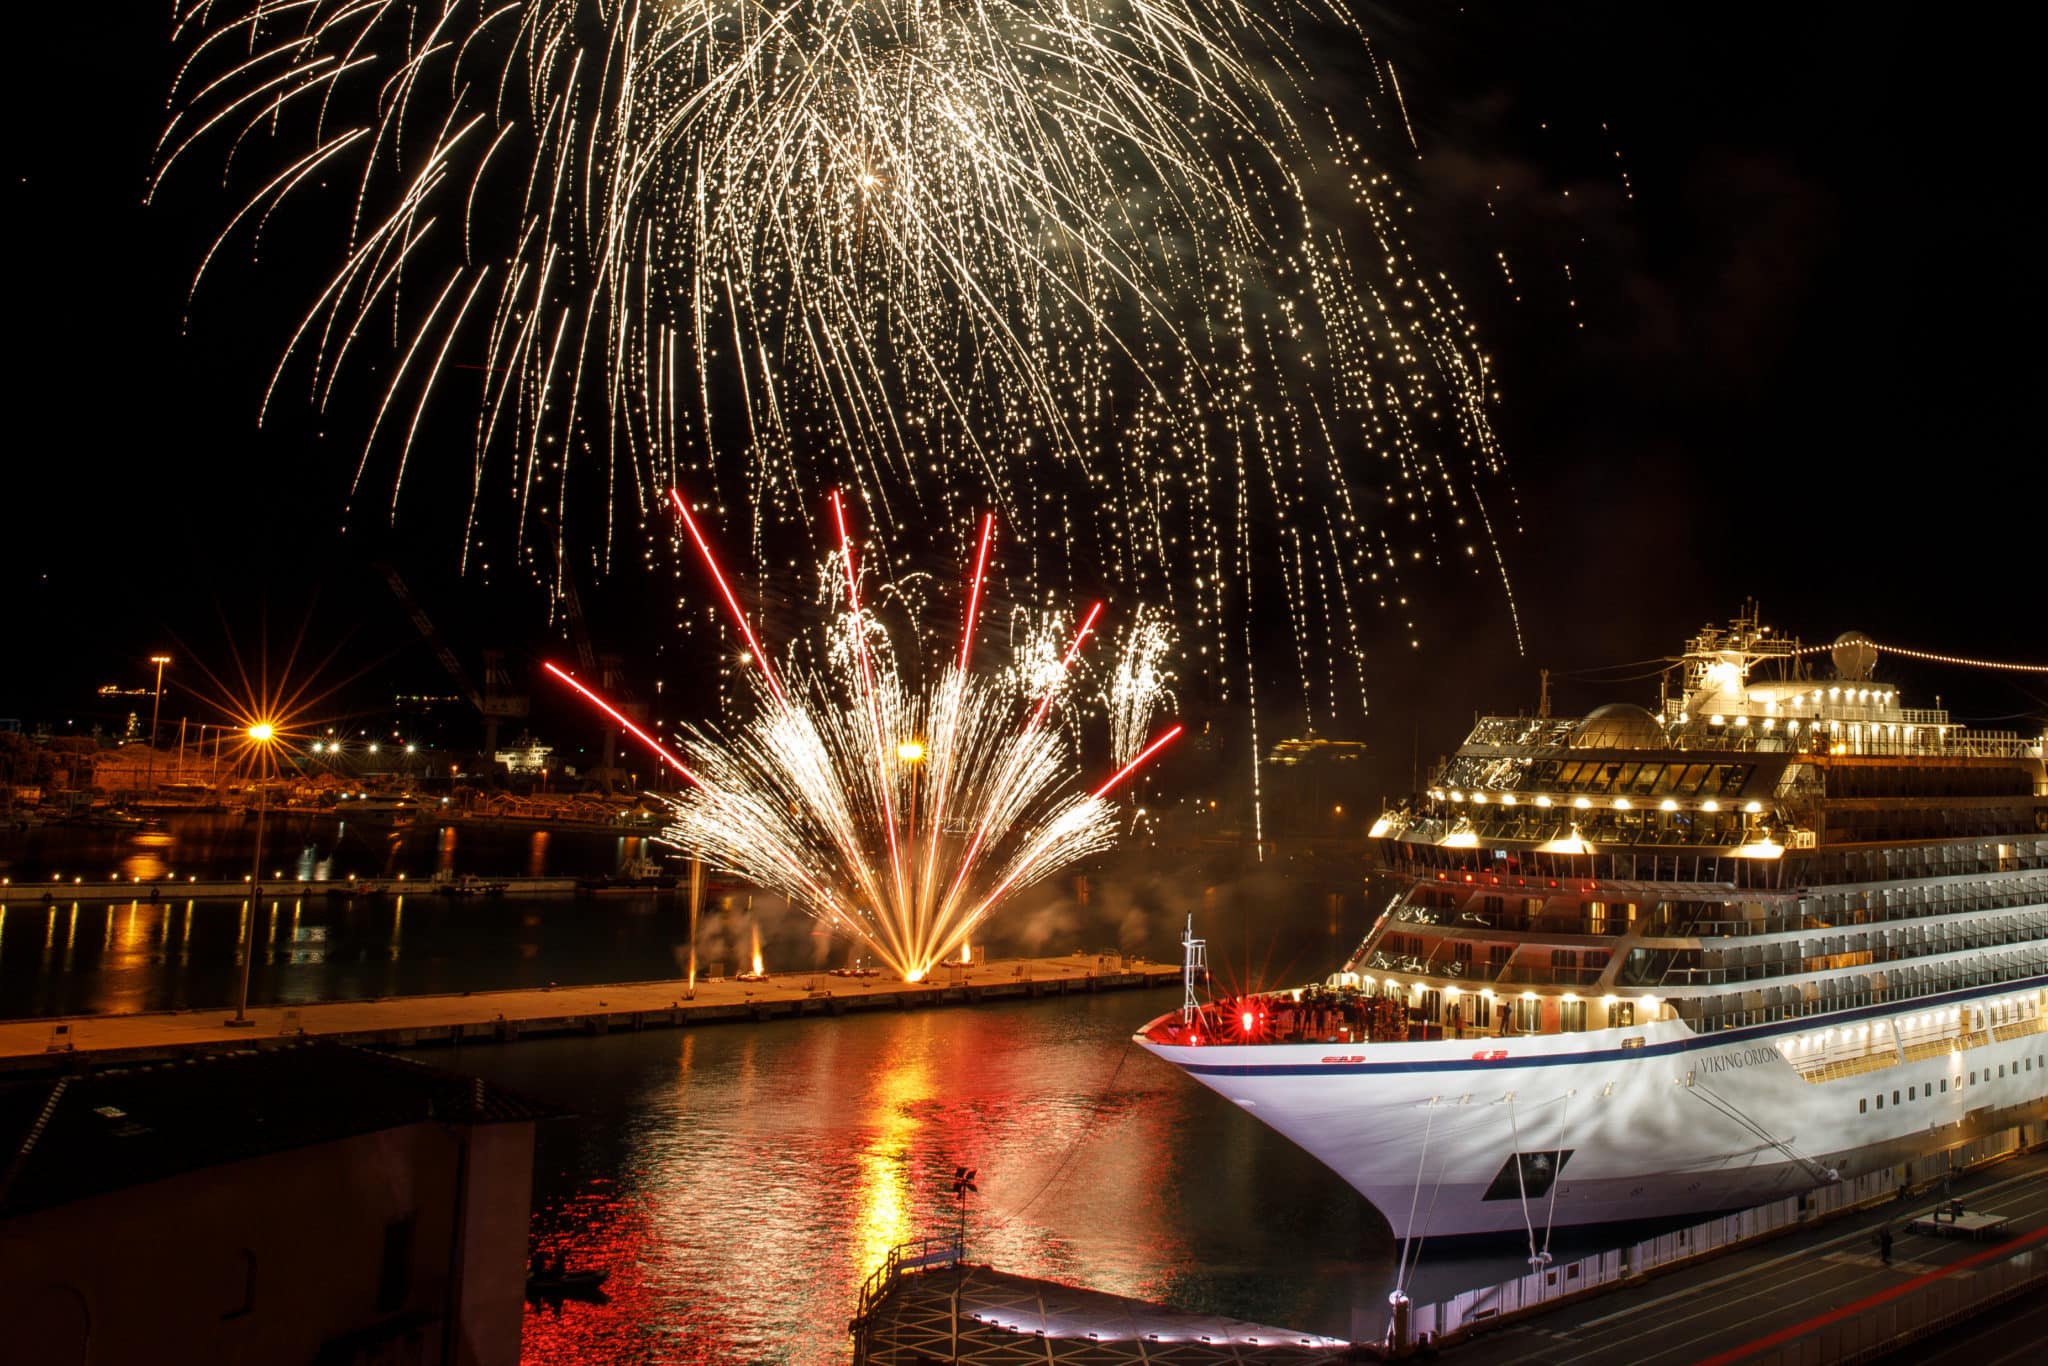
[66,891]
[502,1016]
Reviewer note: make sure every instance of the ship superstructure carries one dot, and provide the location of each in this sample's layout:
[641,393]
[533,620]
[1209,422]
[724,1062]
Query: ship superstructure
[1781,930]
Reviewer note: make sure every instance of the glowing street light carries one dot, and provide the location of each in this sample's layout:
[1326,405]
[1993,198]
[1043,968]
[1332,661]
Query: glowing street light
[911,751]
[149,776]
[261,735]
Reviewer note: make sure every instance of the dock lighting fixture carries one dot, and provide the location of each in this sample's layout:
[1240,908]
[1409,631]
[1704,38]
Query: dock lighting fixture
[263,732]
[911,751]
[149,778]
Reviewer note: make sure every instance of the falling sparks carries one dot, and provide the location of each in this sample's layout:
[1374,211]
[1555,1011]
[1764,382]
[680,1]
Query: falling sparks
[1079,262]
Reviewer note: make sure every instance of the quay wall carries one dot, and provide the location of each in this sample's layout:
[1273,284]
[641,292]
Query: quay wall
[506,1016]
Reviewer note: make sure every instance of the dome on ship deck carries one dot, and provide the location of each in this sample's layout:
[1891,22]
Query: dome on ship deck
[1619,725]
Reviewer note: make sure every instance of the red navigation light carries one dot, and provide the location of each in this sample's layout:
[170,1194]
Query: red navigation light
[1246,1020]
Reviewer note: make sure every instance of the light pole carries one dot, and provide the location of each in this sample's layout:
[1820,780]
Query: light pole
[260,734]
[149,778]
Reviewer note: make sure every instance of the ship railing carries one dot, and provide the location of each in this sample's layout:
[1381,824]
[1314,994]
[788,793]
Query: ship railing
[1860,1337]
[915,1255]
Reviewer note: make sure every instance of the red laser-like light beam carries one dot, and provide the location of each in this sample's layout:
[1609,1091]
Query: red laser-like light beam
[1044,703]
[988,526]
[1132,767]
[638,734]
[931,860]
[967,925]
[830,902]
[732,602]
[867,682]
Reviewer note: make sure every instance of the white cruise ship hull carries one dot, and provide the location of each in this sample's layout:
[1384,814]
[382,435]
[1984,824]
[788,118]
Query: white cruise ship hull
[1633,1123]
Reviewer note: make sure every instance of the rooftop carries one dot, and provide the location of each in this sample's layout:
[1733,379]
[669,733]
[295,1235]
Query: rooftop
[65,1138]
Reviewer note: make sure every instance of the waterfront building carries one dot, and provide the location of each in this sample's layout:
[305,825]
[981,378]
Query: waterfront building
[306,1202]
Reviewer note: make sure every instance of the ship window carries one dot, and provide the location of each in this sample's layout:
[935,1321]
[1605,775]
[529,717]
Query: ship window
[1912,1093]
[1646,777]
[1621,1014]
[1689,779]
[1571,1015]
[1973,1078]
[2001,1071]
[1863,1106]
[1895,1097]
[1880,1101]
[1528,1016]
[1944,1086]
[1623,777]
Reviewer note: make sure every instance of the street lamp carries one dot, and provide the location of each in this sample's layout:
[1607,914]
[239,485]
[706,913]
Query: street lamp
[260,735]
[149,778]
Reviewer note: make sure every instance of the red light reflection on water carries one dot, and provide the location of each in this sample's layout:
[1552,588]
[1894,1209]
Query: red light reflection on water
[772,1172]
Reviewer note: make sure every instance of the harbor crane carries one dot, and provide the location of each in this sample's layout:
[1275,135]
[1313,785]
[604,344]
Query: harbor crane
[495,701]
[608,670]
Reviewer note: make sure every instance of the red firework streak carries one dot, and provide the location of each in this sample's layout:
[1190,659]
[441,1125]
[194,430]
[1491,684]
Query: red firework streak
[869,699]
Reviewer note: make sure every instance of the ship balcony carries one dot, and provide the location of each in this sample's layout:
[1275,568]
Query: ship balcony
[1353,1009]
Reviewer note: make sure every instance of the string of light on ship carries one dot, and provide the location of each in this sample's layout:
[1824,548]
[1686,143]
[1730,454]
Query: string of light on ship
[1710,805]
[1960,661]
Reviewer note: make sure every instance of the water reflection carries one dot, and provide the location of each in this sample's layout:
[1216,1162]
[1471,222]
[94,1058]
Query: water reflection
[740,1183]
[900,1085]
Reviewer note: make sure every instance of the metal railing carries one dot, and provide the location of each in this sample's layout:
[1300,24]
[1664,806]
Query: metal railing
[915,1255]
[1461,1315]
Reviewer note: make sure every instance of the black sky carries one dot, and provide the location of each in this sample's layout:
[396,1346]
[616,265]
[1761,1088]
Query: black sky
[1792,356]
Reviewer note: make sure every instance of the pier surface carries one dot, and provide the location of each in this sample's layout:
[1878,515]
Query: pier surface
[501,1016]
[1815,1295]
[975,1314]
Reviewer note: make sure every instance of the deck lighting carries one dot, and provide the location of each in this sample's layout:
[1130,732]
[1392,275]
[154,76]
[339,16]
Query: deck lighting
[1717,720]
[1543,801]
[1710,806]
[1507,799]
[1528,995]
[1582,803]
[1667,805]
[1457,796]
[1478,799]
[1623,804]
[1754,807]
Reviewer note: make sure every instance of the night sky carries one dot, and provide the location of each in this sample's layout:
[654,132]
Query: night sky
[1782,346]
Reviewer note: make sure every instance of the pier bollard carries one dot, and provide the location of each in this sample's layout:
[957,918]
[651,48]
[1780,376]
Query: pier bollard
[1399,1330]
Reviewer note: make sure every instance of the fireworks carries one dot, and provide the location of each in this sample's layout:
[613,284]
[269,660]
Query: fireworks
[1073,260]
[897,809]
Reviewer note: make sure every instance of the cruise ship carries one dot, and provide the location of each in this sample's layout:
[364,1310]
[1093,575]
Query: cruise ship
[1782,931]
